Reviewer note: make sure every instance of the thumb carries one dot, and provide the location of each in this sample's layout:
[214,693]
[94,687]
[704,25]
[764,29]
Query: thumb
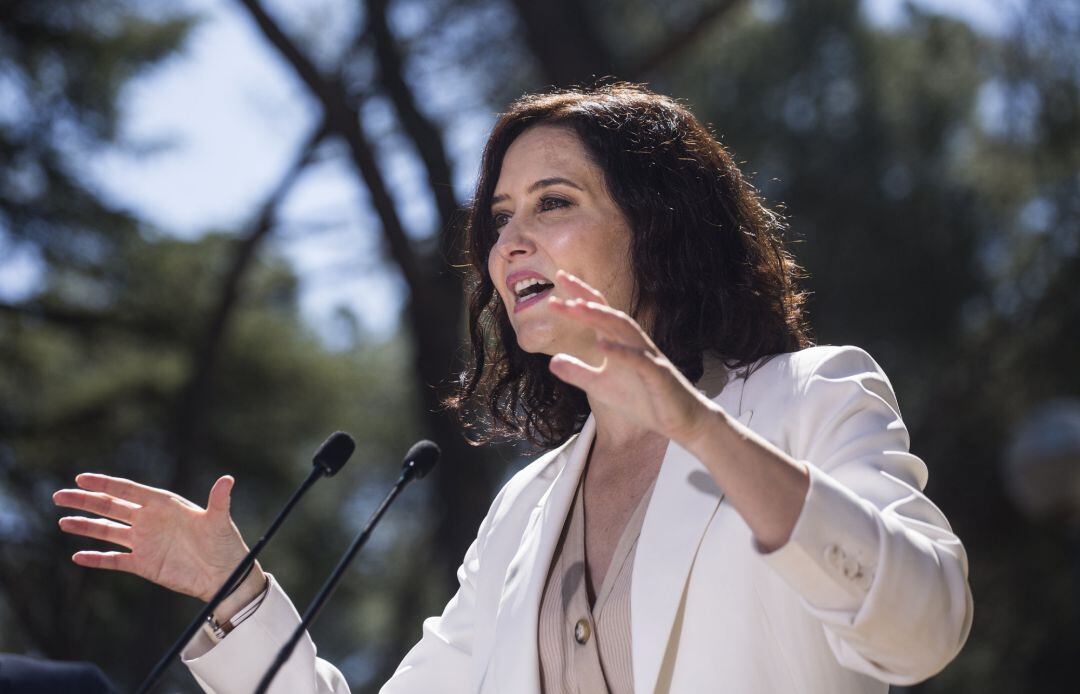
[221,495]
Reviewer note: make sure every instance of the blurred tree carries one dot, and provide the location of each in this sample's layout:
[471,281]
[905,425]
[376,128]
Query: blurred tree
[62,67]
[104,400]
[107,363]
[433,310]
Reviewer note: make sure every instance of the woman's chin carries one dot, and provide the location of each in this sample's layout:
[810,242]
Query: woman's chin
[532,345]
[550,334]
[538,338]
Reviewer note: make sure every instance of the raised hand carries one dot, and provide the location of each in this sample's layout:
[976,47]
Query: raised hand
[635,376]
[172,541]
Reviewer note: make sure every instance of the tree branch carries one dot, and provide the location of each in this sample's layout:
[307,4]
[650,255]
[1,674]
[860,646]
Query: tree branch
[343,118]
[574,54]
[192,404]
[435,301]
[424,134]
[681,40]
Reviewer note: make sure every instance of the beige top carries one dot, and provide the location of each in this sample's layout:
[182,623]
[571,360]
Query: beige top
[583,649]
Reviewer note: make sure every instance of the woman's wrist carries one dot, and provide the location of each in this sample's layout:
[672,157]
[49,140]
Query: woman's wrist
[251,588]
[709,422]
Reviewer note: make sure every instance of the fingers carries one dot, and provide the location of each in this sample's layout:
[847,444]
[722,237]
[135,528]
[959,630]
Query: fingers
[605,320]
[574,371]
[120,488]
[221,495]
[113,561]
[634,356]
[580,374]
[96,502]
[98,529]
[576,288]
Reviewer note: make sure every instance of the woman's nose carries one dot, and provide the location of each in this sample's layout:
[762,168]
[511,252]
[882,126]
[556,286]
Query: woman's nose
[514,240]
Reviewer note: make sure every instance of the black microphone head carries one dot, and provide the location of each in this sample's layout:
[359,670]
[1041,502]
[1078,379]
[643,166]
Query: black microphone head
[334,452]
[421,458]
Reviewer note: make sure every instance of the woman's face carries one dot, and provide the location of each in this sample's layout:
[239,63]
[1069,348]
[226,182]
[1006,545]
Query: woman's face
[552,212]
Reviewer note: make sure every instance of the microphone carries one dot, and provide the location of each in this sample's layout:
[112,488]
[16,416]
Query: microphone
[418,462]
[329,458]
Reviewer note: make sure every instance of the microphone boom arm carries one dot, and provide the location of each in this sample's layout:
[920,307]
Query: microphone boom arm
[418,463]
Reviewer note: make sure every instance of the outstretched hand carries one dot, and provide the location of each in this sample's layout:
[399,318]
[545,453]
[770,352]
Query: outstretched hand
[172,541]
[635,377]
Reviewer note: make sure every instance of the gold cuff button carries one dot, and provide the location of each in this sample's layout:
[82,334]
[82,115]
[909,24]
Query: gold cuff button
[582,631]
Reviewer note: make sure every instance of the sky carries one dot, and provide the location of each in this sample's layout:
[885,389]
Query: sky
[213,129]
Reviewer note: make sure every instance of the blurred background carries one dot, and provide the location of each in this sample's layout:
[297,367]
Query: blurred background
[227,229]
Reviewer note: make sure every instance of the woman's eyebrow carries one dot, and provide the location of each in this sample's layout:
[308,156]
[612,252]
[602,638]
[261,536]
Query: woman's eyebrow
[542,183]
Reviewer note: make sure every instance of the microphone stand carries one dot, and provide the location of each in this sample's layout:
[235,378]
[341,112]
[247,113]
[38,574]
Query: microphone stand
[321,468]
[417,464]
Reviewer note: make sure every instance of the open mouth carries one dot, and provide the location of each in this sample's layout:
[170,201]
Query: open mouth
[529,291]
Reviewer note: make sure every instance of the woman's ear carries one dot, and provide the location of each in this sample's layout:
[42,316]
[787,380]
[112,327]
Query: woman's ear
[644,312]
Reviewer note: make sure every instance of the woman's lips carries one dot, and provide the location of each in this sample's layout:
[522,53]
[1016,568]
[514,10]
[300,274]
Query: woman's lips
[532,299]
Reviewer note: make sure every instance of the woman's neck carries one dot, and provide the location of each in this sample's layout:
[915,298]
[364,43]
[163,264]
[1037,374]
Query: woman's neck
[615,432]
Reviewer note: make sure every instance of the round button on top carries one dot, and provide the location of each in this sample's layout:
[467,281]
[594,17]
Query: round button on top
[835,556]
[852,569]
[582,631]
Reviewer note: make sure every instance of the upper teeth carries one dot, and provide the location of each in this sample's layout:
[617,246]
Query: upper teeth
[524,284]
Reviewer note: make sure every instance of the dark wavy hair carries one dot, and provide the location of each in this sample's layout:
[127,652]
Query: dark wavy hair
[708,257]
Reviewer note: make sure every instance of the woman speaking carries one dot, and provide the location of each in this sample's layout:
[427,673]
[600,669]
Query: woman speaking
[723,506]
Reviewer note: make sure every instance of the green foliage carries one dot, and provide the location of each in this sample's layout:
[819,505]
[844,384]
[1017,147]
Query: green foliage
[96,364]
[105,403]
[65,64]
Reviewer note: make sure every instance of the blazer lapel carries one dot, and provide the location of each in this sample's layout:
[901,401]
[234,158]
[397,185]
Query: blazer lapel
[516,660]
[683,503]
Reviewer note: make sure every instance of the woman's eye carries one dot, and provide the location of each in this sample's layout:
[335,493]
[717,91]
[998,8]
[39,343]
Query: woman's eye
[547,204]
[500,219]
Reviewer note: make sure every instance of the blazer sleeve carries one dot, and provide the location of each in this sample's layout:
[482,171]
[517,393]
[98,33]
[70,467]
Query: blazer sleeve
[440,661]
[870,555]
[237,662]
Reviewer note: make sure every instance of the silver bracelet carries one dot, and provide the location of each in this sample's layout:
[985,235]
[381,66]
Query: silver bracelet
[217,631]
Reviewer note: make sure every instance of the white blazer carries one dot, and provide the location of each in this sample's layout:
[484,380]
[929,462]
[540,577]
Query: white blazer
[870,589]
